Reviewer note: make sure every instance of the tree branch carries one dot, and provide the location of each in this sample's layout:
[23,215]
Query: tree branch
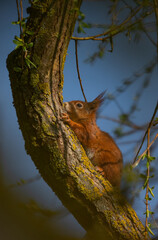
[113,31]
[80,81]
[136,162]
[55,150]
[156,15]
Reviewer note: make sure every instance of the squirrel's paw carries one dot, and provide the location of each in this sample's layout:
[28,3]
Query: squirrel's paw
[100,170]
[65,117]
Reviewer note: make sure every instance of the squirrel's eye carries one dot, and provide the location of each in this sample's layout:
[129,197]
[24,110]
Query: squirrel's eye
[79,105]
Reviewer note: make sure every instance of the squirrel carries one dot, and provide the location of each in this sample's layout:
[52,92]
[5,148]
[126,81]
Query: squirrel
[100,147]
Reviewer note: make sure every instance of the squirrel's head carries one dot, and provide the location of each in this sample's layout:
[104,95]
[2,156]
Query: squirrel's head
[78,110]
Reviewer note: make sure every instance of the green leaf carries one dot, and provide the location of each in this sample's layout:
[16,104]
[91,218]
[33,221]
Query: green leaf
[147,164]
[29,63]
[23,24]
[19,39]
[18,46]
[155,122]
[82,15]
[30,44]
[150,158]
[18,43]
[147,213]
[123,118]
[24,20]
[144,156]
[148,198]
[76,9]
[29,32]
[86,25]
[151,212]
[150,231]
[149,224]
[101,54]
[33,65]
[118,131]
[24,48]
[142,176]
[21,182]
[15,22]
[146,181]
[24,29]
[152,177]
[21,21]
[17,69]
[80,29]
[151,192]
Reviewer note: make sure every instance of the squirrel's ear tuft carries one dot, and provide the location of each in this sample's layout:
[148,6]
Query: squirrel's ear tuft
[100,99]
[96,103]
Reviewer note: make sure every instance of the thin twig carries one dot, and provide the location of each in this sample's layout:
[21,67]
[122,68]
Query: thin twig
[149,126]
[78,71]
[140,157]
[115,29]
[21,9]
[25,182]
[21,16]
[17,4]
[147,186]
[19,19]
[143,27]
[156,15]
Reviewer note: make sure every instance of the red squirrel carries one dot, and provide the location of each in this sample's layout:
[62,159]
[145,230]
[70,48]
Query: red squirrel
[99,146]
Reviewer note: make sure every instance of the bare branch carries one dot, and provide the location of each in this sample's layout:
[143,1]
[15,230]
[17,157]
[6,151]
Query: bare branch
[80,81]
[146,150]
[113,31]
[126,123]
[156,14]
[135,163]
[19,18]
[147,185]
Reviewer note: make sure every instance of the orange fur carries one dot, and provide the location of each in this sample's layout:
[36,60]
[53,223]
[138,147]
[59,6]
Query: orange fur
[99,146]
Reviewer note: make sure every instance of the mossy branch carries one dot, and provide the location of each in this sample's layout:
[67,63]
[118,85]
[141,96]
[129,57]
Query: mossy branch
[56,152]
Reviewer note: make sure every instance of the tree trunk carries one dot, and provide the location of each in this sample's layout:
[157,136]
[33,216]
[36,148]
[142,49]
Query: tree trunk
[55,150]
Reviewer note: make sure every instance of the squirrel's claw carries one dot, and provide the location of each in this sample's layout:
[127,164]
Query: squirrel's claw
[100,170]
[65,117]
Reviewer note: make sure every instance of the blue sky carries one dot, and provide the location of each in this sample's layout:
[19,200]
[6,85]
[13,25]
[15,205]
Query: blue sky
[106,73]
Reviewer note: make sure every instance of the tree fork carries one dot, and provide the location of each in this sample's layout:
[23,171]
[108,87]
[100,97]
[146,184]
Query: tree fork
[55,150]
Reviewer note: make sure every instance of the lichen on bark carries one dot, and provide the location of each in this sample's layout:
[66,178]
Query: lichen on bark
[55,150]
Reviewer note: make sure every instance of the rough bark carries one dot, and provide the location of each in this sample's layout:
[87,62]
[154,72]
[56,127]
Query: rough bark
[53,147]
